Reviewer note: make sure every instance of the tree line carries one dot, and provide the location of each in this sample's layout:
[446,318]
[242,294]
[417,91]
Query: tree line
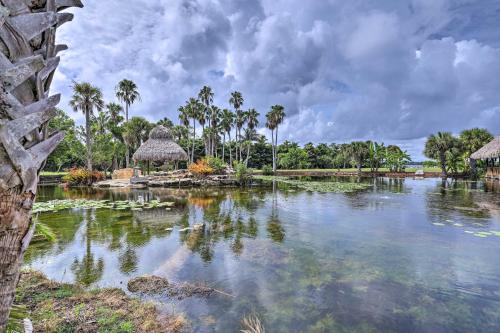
[109,137]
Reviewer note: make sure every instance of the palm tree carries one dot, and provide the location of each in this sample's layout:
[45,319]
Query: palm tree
[193,111]
[271,124]
[102,122]
[436,148]
[27,51]
[359,152]
[275,118]
[227,122]
[236,100]
[215,117]
[472,140]
[114,111]
[86,98]
[206,96]
[126,92]
[250,136]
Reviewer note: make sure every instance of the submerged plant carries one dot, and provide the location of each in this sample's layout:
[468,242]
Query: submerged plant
[252,324]
[317,186]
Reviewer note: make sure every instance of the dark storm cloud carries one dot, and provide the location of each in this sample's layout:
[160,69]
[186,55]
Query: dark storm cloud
[394,70]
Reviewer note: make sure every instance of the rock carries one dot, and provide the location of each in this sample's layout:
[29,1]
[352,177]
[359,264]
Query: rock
[125,173]
[199,227]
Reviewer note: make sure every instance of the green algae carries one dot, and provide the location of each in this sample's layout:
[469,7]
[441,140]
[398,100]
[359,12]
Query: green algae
[58,205]
[317,186]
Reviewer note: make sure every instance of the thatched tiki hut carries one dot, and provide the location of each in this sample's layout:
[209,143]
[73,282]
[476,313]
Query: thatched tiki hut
[491,154]
[160,147]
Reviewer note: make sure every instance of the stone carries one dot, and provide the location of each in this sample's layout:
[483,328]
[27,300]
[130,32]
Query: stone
[125,173]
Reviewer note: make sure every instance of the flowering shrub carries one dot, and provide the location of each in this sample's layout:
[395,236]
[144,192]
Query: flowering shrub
[201,168]
[83,176]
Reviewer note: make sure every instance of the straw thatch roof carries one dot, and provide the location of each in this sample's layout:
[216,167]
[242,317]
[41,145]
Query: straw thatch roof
[490,150]
[160,147]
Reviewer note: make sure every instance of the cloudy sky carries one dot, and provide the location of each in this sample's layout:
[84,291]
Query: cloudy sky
[386,70]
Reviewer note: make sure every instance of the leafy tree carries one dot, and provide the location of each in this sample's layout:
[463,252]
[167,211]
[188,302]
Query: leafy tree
[165,122]
[376,155]
[136,131]
[236,100]
[69,151]
[114,112]
[294,158]
[86,98]
[472,140]
[396,159]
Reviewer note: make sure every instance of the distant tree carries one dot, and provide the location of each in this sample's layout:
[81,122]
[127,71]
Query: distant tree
[396,159]
[376,155]
[472,140]
[359,152]
[275,118]
[86,98]
[136,131]
[165,122]
[114,111]
[227,122]
[69,151]
[127,92]
[294,158]
[236,100]
[436,148]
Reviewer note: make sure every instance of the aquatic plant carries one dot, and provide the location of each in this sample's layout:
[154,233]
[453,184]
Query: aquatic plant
[57,205]
[83,176]
[252,324]
[317,186]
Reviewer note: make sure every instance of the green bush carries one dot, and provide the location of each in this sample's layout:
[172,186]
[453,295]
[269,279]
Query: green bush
[243,174]
[217,164]
[267,170]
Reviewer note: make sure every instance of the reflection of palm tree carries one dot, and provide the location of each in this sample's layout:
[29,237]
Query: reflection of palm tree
[128,261]
[88,270]
[274,227]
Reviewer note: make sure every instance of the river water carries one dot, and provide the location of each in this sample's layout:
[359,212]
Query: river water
[402,256]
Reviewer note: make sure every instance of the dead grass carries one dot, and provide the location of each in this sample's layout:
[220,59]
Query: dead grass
[148,284]
[58,307]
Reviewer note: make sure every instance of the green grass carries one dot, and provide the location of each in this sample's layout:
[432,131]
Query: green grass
[53,173]
[432,169]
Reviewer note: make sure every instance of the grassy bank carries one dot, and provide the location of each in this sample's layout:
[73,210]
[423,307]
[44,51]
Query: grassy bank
[53,173]
[61,307]
[366,170]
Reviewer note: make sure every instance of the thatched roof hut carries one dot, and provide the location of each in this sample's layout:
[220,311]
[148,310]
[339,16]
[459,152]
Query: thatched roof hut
[490,150]
[160,147]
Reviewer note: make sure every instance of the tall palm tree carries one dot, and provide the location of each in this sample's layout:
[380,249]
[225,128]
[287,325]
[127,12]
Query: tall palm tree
[27,51]
[437,146]
[227,122]
[86,98]
[277,115]
[236,100]
[206,96]
[127,92]
[271,124]
[192,111]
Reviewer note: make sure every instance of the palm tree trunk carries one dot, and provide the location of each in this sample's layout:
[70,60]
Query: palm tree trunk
[127,149]
[87,139]
[17,230]
[442,158]
[273,149]
[194,138]
[276,150]
[223,144]
[230,150]
[248,154]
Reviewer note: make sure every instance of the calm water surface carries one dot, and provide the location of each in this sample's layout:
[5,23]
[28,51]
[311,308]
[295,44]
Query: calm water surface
[398,257]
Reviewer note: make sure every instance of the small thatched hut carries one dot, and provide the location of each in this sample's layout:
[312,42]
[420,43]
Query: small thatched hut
[491,154]
[160,147]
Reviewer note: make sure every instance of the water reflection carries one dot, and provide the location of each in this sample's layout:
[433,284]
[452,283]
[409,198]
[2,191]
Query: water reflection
[370,261]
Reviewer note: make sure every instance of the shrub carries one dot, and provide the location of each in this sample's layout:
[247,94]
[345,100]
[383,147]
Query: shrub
[267,170]
[243,174]
[217,164]
[201,168]
[83,176]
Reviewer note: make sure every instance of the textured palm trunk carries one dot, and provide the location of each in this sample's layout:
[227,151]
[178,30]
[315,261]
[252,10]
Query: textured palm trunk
[127,149]
[442,159]
[88,139]
[28,59]
[230,150]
